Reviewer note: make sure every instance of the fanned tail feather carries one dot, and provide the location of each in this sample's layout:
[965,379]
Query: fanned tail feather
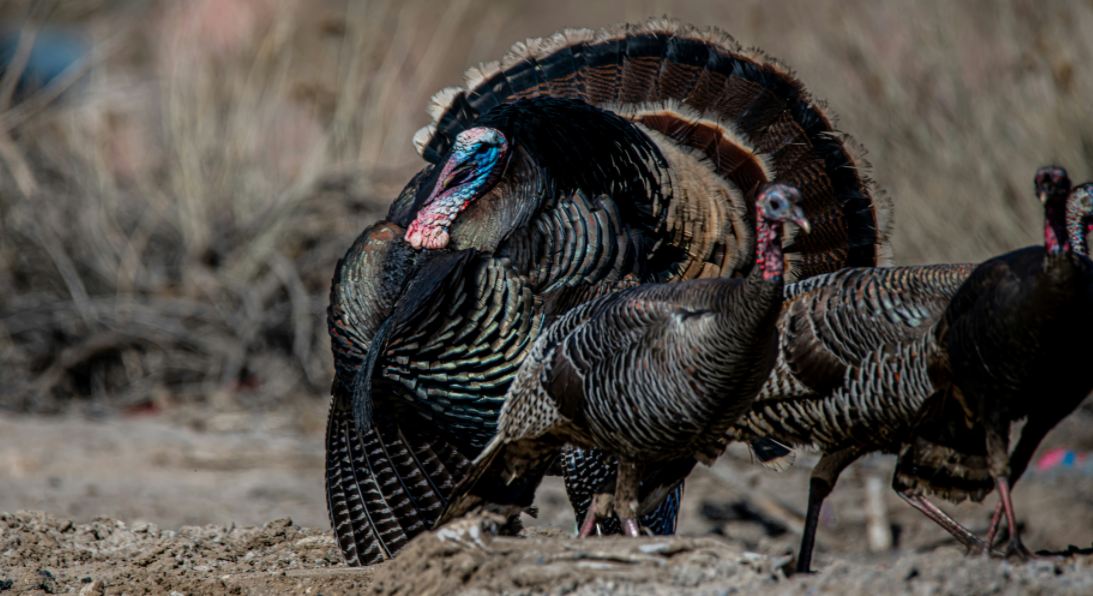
[746,115]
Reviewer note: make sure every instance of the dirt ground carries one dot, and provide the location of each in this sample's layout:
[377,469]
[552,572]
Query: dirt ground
[168,231]
[181,503]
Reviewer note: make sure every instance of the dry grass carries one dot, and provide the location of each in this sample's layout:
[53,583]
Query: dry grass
[167,231]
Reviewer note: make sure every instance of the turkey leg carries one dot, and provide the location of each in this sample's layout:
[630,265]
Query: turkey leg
[824,476]
[601,506]
[626,497]
[1034,431]
[998,458]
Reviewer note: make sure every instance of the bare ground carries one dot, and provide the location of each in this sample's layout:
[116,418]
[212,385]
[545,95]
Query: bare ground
[194,500]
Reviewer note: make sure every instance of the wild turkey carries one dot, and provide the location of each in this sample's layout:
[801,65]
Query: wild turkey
[851,374]
[833,387]
[578,162]
[1006,353]
[1079,224]
[654,374]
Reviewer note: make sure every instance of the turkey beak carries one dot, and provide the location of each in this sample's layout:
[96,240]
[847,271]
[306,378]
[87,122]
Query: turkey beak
[798,217]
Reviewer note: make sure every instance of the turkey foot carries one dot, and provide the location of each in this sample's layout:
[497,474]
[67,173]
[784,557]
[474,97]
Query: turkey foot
[602,505]
[626,497]
[1015,548]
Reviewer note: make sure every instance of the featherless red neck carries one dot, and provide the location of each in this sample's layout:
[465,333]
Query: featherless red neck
[768,249]
[1055,233]
[774,206]
[777,203]
[1053,187]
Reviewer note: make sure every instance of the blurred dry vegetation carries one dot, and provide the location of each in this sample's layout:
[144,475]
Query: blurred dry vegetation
[171,208]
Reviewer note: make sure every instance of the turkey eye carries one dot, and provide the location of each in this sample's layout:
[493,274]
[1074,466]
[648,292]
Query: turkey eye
[776,205]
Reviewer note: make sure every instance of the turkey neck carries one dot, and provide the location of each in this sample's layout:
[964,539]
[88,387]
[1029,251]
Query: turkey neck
[754,309]
[762,288]
[1056,237]
[768,251]
[762,292]
[1064,244]
[1078,226]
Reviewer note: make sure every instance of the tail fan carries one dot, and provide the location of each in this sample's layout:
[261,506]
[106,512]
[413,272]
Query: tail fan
[748,117]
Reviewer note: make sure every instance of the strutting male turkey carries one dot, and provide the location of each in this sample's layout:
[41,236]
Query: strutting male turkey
[1006,352]
[654,375]
[579,163]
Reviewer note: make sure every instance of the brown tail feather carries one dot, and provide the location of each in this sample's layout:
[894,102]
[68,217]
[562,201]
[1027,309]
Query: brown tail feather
[747,116]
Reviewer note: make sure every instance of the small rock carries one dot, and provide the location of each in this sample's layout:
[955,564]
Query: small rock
[783,564]
[321,540]
[48,583]
[655,548]
[751,557]
[281,522]
[92,588]
[1044,567]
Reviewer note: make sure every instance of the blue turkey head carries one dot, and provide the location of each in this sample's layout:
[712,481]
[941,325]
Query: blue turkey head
[474,164]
